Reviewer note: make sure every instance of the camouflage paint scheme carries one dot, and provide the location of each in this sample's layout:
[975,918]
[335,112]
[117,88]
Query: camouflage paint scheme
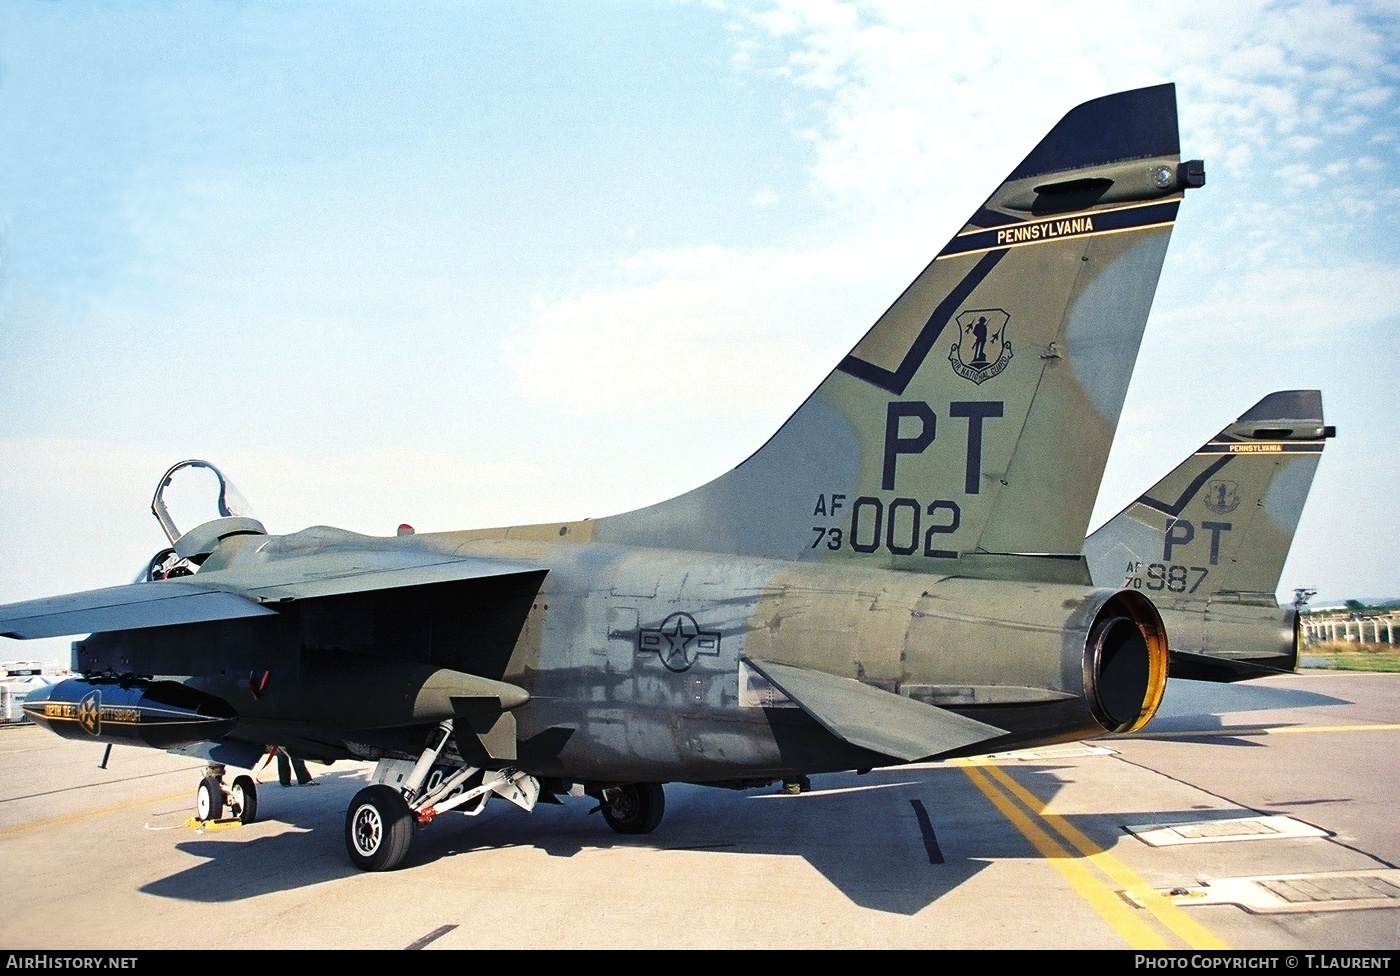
[896,575]
[1208,542]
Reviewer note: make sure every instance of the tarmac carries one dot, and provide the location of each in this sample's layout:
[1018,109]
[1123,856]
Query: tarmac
[1250,817]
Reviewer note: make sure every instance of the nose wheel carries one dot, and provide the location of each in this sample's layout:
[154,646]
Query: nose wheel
[244,799]
[209,799]
[213,797]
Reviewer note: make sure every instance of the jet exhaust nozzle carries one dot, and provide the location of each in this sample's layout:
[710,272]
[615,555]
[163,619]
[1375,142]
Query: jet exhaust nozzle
[1125,663]
[157,714]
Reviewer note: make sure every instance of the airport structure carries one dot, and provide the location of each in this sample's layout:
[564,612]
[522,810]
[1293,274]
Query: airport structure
[1329,624]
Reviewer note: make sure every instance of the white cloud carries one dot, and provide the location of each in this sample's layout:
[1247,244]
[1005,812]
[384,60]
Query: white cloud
[913,132]
[1298,175]
[913,112]
[1290,305]
[704,331]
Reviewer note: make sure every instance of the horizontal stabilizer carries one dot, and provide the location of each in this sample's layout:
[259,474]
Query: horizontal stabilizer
[127,607]
[1205,667]
[873,719]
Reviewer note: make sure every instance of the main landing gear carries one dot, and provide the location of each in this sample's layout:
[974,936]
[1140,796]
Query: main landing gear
[378,828]
[380,822]
[214,797]
[633,808]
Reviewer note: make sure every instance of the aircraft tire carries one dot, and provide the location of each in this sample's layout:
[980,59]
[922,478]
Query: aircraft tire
[245,795]
[209,799]
[378,828]
[634,808]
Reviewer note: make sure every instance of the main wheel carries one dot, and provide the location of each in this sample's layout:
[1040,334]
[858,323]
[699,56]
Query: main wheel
[635,808]
[378,828]
[245,799]
[209,800]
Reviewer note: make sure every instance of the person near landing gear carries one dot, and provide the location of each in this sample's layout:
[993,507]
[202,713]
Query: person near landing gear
[286,764]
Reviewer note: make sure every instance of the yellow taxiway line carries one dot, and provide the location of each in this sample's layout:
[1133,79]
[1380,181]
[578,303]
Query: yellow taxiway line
[1004,793]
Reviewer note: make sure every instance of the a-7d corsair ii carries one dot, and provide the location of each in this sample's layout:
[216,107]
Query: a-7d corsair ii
[894,576]
[1208,542]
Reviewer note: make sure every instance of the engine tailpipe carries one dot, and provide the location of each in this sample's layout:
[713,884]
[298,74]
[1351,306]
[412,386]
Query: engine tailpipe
[1125,663]
[158,714]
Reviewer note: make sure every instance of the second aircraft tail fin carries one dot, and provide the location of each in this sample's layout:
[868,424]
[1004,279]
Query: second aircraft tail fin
[1208,542]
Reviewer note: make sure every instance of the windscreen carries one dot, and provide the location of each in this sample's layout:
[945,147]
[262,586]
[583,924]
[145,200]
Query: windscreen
[194,492]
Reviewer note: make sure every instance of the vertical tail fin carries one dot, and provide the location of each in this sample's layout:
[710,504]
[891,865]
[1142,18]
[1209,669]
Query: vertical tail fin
[1208,542]
[973,421]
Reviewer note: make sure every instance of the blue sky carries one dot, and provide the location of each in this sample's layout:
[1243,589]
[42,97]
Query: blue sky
[459,264]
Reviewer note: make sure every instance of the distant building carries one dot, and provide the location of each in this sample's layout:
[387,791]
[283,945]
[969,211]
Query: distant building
[17,680]
[1362,624]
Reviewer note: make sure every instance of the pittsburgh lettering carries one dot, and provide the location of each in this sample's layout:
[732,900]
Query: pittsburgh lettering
[107,713]
[1044,231]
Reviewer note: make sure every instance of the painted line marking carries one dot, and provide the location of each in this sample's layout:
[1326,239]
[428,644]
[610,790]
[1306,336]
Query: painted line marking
[432,936]
[86,814]
[999,787]
[1239,731]
[1113,910]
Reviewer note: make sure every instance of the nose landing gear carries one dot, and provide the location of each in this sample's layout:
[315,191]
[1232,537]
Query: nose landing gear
[214,797]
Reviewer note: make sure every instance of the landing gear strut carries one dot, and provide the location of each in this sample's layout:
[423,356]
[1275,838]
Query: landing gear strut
[213,797]
[379,823]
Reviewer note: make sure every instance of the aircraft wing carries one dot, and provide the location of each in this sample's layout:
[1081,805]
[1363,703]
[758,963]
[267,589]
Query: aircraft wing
[881,721]
[244,592]
[123,608]
[358,573]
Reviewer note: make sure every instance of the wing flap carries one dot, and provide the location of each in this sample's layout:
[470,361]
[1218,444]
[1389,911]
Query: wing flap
[874,719]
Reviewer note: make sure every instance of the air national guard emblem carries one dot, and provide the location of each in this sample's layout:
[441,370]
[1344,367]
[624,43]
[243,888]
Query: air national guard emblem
[1222,497]
[982,349]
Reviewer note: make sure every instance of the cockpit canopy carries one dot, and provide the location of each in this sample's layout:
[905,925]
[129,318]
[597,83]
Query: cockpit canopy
[198,494]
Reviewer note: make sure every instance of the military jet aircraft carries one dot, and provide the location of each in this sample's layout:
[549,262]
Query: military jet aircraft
[1208,542]
[895,575]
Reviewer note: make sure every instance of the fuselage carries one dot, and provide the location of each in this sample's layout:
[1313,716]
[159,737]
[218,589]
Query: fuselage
[636,661]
